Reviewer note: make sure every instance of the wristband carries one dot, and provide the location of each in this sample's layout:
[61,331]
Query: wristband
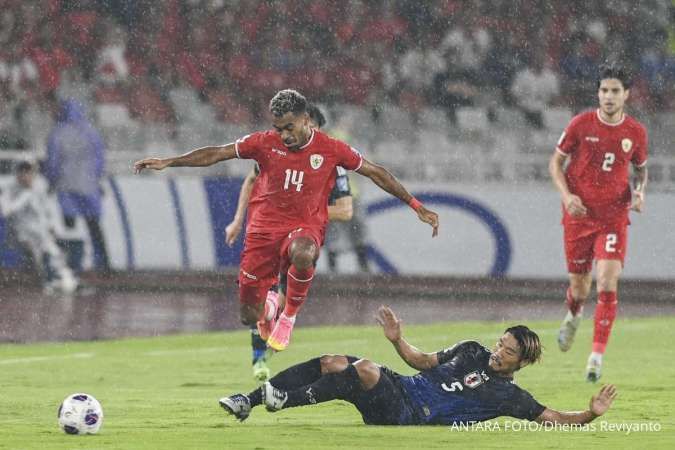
[414,203]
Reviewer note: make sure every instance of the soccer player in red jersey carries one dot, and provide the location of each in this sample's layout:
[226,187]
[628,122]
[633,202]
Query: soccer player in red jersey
[339,208]
[288,219]
[600,146]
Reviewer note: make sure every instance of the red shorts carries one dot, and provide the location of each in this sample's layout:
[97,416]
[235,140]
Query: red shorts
[585,242]
[266,255]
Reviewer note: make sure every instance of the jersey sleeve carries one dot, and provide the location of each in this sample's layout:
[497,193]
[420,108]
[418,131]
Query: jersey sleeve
[640,154]
[450,352]
[569,139]
[250,145]
[522,405]
[348,157]
[341,188]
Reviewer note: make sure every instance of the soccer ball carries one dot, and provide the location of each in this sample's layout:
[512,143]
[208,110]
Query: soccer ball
[80,414]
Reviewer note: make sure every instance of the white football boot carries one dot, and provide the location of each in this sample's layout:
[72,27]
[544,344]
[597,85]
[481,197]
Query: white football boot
[274,398]
[237,405]
[594,367]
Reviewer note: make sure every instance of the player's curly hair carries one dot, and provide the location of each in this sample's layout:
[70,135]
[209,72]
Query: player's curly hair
[528,341]
[287,101]
[614,70]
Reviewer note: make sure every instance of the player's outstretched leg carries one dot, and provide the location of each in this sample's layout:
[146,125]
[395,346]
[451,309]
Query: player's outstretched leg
[343,385]
[303,252]
[580,285]
[303,374]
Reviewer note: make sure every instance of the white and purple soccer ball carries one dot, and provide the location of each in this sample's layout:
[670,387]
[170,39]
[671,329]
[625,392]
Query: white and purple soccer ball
[80,414]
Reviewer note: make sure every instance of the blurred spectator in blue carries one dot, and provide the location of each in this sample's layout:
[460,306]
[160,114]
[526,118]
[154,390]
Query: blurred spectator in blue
[658,68]
[500,66]
[74,168]
[578,66]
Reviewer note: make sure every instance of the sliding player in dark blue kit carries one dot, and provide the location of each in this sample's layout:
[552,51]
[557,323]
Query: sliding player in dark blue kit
[463,384]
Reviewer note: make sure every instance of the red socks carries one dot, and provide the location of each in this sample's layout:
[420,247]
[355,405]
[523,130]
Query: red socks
[572,304]
[297,289]
[605,313]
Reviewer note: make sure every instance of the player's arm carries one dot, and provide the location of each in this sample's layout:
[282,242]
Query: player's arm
[233,230]
[412,356]
[342,210]
[10,205]
[599,404]
[387,182]
[639,184]
[200,157]
[573,203]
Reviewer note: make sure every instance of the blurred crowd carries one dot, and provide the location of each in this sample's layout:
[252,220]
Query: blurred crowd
[236,53]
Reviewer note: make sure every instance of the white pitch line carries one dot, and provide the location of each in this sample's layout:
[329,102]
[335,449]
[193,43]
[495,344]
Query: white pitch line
[32,359]
[187,350]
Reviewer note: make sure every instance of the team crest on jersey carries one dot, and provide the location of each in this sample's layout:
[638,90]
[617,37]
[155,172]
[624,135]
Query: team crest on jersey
[315,161]
[473,380]
[626,145]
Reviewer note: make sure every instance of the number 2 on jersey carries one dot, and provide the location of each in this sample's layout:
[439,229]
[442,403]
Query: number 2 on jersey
[293,177]
[609,160]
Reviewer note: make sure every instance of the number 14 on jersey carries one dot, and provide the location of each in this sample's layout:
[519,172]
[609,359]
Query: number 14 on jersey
[293,178]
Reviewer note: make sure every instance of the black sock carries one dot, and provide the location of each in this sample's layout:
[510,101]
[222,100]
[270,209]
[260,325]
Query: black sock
[257,344]
[255,397]
[305,374]
[299,375]
[339,385]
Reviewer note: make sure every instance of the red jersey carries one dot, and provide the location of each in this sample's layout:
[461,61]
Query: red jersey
[293,186]
[600,156]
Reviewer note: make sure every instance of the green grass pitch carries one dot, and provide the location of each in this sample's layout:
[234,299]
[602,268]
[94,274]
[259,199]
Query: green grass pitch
[162,392]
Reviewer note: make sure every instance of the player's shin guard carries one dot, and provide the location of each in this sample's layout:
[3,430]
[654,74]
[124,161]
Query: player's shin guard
[338,385]
[298,375]
[574,305]
[605,313]
[271,310]
[299,282]
[302,374]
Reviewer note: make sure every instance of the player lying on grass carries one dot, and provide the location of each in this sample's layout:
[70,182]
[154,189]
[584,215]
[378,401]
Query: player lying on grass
[462,384]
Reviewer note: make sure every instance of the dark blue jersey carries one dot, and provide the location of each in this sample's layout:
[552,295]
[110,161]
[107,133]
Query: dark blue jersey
[463,389]
[341,188]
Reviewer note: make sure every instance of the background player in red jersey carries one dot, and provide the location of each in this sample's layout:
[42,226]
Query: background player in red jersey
[288,219]
[339,208]
[601,146]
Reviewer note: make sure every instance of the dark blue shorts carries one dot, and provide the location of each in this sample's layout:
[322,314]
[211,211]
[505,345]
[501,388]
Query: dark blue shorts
[74,204]
[386,403]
